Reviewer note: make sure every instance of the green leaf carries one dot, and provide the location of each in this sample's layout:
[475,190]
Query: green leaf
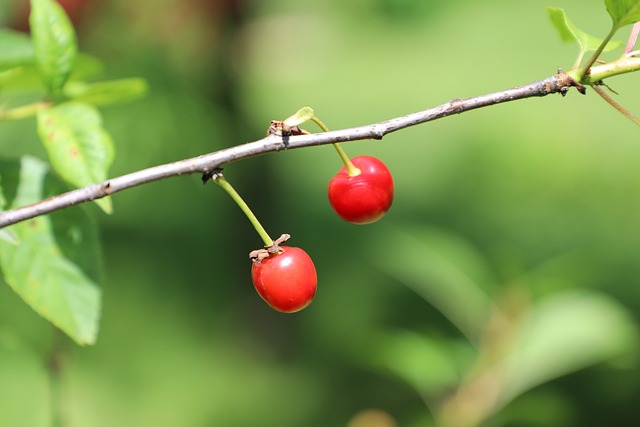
[8,236]
[569,32]
[15,49]
[565,333]
[80,149]
[429,365]
[106,93]
[439,267]
[9,75]
[623,12]
[42,270]
[54,43]
[86,66]
[26,78]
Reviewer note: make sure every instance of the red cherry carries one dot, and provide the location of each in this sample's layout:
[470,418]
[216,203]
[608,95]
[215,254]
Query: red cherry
[287,280]
[364,198]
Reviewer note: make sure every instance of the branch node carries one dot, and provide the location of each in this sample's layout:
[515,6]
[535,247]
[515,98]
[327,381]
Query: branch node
[212,174]
[565,81]
[377,132]
[280,128]
[456,105]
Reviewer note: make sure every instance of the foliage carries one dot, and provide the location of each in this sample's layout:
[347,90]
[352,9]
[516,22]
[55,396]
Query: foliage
[569,32]
[41,270]
[80,151]
[54,44]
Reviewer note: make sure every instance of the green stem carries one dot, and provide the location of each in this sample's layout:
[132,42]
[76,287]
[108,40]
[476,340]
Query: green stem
[621,66]
[578,60]
[352,170]
[320,124]
[219,179]
[24,111]
[585,69]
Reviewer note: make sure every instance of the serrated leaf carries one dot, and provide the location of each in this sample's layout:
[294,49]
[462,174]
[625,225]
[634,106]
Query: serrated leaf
[563,334]
[80,149]
[623,12]
[39,269]
[15,49]
[106,93]
[54,43]
[569,32]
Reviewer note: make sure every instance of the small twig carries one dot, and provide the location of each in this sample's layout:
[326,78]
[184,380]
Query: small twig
[616,105]
[207,163]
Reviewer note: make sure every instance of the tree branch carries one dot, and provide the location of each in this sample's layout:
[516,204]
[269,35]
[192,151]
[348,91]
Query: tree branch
[206,163]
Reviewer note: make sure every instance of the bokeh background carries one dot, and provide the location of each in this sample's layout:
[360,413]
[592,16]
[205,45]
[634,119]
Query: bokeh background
[541,196]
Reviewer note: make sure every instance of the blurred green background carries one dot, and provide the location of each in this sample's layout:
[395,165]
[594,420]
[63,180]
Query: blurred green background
[523,203]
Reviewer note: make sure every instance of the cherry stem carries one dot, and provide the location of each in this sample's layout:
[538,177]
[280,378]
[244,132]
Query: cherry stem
[352,170]
[222,182]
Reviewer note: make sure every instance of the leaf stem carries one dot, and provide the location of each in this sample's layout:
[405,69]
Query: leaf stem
[352,170]
[24,111]
[585,69]
[226,186]
[578,59]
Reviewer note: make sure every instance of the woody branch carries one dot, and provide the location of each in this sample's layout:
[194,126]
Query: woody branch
[207,163]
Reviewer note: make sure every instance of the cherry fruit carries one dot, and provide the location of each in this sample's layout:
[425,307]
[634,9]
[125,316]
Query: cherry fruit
[286,280]
[284,276]
[363,198]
